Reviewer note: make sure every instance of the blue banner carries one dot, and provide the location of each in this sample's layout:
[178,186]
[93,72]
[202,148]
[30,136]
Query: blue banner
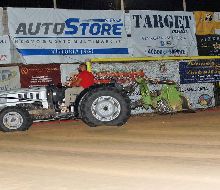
[67,36]
[29,52]
[199,71]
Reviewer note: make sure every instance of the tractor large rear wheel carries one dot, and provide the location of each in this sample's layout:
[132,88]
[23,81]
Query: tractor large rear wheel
[105,106]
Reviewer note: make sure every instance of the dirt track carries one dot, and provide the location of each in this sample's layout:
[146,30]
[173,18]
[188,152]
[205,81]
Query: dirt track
[179,152]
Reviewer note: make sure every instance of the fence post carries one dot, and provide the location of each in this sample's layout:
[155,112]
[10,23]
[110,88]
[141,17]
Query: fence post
[54,4]
[184,5]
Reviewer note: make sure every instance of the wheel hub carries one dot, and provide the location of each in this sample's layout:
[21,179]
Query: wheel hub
[106,108]
[12,120]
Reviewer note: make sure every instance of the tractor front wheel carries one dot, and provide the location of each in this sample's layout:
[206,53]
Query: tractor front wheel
[14,119]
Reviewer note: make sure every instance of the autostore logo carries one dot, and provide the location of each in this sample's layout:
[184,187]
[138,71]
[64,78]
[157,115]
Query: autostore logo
[73,27]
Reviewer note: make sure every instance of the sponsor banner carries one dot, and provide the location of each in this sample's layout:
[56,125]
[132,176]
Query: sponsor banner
[208,45]
[67,36]
[1,21]
[160,33]
[217,20]
[35,75]
[9,78]
[199,95]
[67,71]
[125,73]
[5,55]
[199,71]
[207,22]
[161,70]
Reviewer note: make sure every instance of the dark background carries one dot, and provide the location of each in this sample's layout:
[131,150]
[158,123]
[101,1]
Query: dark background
[167,5]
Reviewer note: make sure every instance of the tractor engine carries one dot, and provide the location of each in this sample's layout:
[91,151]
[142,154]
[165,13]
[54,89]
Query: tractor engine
[55,97]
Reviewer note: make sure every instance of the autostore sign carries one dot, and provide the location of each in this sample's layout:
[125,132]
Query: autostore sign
[55,32]
[73,26]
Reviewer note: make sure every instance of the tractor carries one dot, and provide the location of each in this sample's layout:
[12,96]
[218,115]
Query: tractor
[100,104]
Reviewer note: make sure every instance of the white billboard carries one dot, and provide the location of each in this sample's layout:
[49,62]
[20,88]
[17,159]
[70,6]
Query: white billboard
[5,55]
[9,78]
[1,21]
[66,36]
[162,33]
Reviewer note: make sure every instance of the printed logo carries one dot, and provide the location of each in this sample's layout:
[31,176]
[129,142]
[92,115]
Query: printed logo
[73,26]
[205,100]
[6,75]
[24,70]
[179,24]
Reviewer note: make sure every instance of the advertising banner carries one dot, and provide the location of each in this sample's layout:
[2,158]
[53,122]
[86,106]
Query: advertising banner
[160,33]
[217,20]
[199,71]
[208,45]
[1,21]
[208,30]
[125,74]
[207,22]
[200,95]
[9,78]
[67,36]
[5,55]
[161,70]
[35,75]
[67,71]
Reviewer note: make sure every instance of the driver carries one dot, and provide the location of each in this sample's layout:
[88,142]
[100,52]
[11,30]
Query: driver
[83,80]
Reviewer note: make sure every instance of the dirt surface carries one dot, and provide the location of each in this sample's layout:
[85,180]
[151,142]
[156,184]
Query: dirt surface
[178,152]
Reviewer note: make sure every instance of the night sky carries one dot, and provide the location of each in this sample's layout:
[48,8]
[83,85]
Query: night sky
[167,5]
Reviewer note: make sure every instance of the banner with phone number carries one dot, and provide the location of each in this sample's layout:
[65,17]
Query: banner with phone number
[67,36]
[162,33]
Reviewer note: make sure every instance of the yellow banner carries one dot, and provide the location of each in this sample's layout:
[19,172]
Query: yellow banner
[205,23]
